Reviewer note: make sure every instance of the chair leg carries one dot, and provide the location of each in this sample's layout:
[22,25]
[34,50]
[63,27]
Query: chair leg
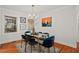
[48,50]
[43,50]
[31,48]
[25,46]
[21,43]
[54,49]
[39,48]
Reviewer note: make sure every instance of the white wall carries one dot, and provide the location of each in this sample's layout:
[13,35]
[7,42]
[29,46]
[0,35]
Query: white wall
[64,25]
[8,37]
[0,21]
[77,10]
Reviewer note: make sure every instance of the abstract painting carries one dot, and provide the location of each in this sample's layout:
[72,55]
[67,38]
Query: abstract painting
[10,24]
[47,22]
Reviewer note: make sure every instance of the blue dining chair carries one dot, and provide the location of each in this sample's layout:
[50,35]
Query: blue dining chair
[48,43]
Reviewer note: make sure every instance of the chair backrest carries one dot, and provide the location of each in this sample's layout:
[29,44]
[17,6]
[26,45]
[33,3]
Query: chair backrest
[49,41]
[30,38]
[24,37]
[52,38]
[40,32]
[46,35]
[27,33]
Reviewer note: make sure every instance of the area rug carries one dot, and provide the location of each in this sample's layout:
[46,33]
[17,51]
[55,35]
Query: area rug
[35,49]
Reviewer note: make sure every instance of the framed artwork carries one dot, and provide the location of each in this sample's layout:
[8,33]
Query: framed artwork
[22,26]
[10,24]
[22,19]
[47,22]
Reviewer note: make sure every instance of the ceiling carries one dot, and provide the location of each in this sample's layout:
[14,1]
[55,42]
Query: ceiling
[28,8]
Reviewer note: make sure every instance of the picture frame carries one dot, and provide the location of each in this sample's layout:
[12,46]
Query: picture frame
[22,26]
[47,22]
[22,19]
[10,24]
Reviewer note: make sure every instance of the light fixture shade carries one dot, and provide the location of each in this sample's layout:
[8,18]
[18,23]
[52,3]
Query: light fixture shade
[31,16]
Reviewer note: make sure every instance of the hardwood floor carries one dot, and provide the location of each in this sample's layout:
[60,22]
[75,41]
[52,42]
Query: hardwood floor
[65,49]
[11,48]
[8,48]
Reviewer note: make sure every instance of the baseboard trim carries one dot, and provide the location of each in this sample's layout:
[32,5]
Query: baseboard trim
[10,42]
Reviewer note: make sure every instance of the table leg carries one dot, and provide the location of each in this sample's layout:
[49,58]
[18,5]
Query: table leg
[25,46]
